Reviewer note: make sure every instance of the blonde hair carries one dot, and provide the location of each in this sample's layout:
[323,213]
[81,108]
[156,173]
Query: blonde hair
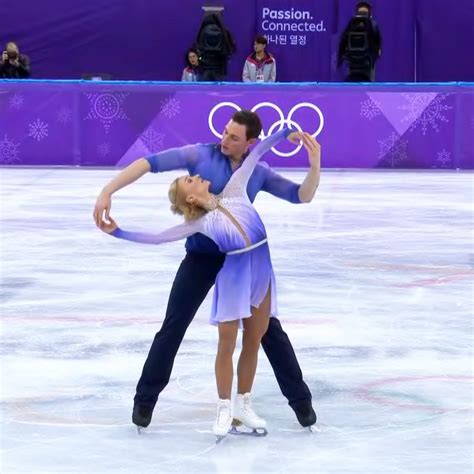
[180,206]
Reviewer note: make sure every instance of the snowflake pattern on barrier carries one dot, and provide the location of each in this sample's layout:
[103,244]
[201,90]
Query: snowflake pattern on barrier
[16,101]
[64,115]
[444,157]
[369,109]
[152,140]
[422,109]
[38,129]
[107,108]
[393,150]
[170,107]
[8,152]
[103,149]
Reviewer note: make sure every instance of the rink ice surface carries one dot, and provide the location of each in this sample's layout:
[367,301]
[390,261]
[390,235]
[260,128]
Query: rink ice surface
[375,289]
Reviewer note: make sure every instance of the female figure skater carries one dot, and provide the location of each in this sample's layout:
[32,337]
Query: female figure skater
[245,292]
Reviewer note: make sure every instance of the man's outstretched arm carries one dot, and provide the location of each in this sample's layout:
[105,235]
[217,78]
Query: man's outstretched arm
[288,190]
[127,176]
[171,159]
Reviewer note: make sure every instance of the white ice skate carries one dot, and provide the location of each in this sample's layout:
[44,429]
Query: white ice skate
[244,414]
[223,420]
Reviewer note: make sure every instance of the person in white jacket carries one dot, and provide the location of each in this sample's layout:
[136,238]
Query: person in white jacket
[260,66]
[191,71]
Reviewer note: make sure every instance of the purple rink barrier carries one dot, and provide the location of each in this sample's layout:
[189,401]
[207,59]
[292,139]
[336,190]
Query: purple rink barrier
[76,123]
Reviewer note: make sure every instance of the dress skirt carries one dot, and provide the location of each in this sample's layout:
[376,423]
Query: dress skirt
[243,282]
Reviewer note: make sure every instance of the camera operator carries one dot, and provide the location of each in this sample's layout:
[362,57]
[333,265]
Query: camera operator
[14,65]
[360,45]
[215,45]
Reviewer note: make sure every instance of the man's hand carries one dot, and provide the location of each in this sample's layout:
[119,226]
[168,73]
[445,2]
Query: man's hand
[103,204]
[314,150]
[4,57]
[310,144]
[311,182]
[108,227]
[295,137]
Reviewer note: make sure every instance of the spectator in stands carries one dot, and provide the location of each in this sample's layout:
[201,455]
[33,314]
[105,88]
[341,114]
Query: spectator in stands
[14,65]
[191,71]
[260,66]
[215,46]
[360,45]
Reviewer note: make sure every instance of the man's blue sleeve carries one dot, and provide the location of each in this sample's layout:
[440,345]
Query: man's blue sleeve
[174,159]
[279,186]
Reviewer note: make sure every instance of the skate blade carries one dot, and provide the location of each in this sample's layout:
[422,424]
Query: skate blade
[256,432]
[219,439]
[140,430]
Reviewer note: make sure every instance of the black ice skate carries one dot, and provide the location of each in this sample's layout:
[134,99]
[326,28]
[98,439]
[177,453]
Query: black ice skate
[141,416]
[305,414]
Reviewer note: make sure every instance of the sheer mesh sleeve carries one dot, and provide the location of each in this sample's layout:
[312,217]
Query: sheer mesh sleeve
[237,185]
[172,234]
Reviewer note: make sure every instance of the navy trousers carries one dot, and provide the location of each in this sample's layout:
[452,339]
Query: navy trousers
[196,276]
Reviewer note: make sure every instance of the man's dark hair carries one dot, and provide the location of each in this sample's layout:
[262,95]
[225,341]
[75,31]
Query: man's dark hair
[251,121]
[261,40]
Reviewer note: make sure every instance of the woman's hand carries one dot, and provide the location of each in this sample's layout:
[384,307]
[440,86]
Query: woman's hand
[108,227]
[103,205]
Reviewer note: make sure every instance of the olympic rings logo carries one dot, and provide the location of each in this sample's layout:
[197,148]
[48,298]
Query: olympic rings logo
[279,123]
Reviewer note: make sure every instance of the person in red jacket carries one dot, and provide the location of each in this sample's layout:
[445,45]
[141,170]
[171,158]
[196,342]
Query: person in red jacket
[191,71]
